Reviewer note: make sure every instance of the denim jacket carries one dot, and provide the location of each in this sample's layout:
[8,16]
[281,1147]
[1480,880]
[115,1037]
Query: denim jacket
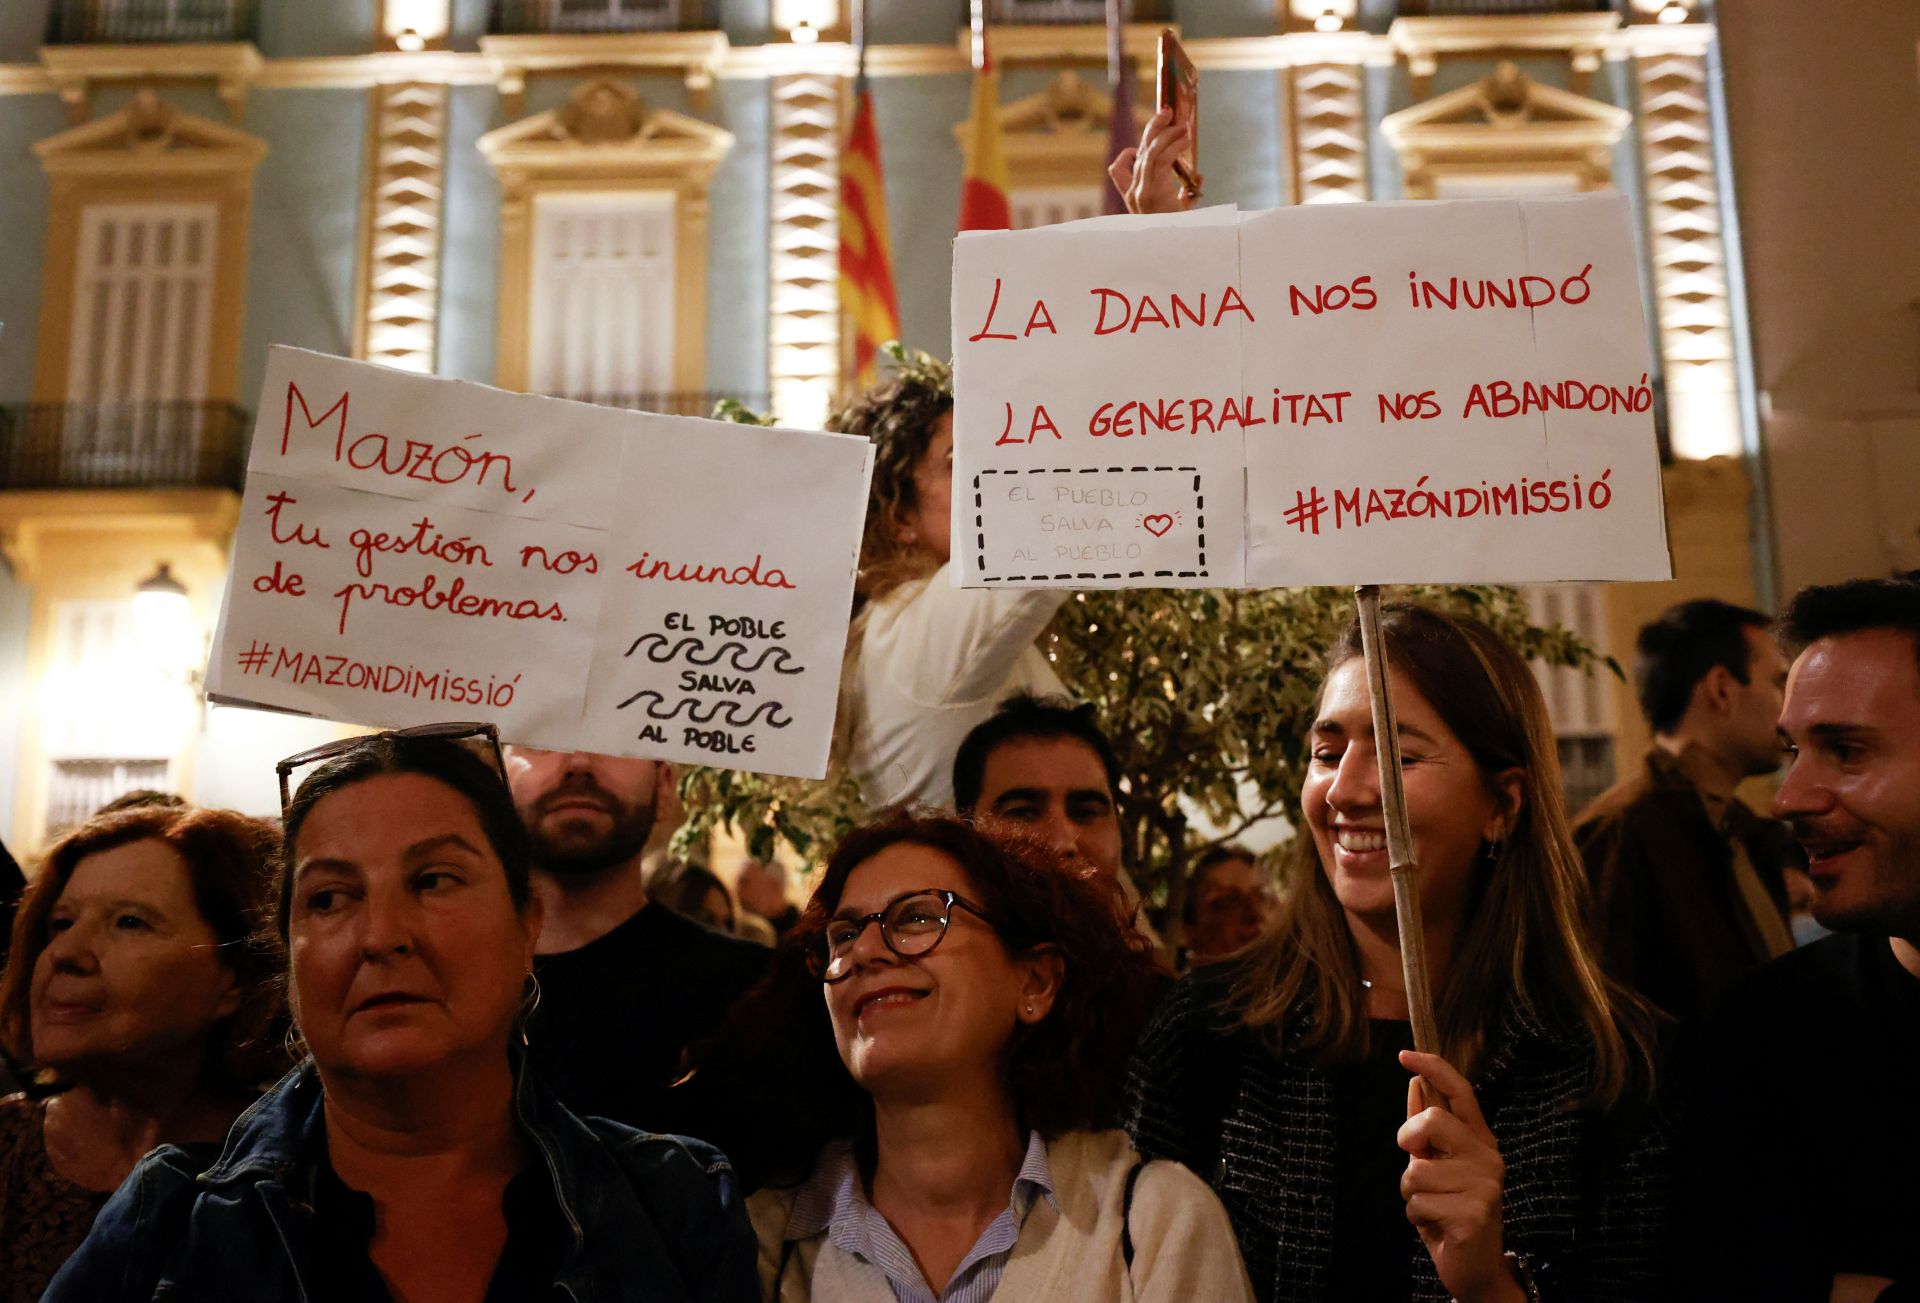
[650,1218]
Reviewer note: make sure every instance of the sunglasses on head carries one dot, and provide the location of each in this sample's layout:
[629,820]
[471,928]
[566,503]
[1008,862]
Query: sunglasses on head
[482,739]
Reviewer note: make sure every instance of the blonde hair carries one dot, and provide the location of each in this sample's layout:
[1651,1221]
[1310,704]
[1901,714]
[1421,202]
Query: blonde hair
[1524,940]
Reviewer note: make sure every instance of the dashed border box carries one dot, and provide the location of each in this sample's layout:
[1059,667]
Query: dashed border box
[980,536]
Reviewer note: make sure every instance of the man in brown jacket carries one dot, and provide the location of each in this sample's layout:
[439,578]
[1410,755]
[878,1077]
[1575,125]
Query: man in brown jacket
[1690,885]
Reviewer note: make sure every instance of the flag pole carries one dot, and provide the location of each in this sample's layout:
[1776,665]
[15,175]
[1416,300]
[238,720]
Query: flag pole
[1393,806]
[859,44]
[1121,131]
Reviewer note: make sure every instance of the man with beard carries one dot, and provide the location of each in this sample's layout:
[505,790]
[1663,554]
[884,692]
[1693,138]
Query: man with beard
[625,984]
[1805,1152]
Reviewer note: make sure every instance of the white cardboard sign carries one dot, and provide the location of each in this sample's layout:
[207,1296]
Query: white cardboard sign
[1377,393]
[414,550]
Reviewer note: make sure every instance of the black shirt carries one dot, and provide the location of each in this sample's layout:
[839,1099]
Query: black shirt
[617,1014]
[1373,1242]
[343,1222]
[1805,1089]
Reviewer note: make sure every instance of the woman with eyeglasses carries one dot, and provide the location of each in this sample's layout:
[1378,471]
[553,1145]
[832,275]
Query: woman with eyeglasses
[410,1157]
[139,1010]
[1525,1159]
[942,1039]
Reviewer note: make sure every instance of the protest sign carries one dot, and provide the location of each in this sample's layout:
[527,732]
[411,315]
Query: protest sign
[1055,344]
[413,550]
[1379,393]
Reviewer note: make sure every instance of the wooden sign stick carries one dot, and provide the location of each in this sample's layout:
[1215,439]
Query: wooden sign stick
[1393,805]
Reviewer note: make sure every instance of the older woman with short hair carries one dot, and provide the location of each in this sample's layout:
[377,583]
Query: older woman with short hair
[410,1156]
[134,997]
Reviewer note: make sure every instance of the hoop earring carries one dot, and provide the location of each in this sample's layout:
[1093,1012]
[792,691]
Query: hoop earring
[529,1003]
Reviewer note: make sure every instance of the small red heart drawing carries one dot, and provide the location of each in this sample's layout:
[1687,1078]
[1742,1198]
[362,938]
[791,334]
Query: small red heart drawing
[1157,525]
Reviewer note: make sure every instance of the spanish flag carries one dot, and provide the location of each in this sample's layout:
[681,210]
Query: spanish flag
[866,254]
[983,190]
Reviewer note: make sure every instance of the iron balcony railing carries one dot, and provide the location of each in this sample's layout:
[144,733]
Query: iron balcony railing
[1499,8]
[691,402]
[148,22]
[146,445]
[1038,12]
[591,17]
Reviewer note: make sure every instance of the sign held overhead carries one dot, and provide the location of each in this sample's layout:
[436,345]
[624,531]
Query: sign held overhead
[412,549]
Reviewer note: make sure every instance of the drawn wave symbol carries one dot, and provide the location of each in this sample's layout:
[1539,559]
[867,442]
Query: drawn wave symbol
[705,712]
[693,650]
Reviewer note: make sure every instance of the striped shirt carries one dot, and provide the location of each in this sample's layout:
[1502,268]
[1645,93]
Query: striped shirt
[834,1201]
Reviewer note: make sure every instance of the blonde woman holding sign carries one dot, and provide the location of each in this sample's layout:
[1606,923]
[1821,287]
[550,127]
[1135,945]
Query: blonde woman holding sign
[1286,1075]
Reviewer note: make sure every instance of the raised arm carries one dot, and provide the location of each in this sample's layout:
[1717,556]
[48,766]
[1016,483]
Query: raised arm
[1144,173]
[949,646]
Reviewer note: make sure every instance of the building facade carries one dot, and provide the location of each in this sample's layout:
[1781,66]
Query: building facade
[633,202]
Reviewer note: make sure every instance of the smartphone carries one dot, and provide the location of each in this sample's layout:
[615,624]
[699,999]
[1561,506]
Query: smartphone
[1179,90]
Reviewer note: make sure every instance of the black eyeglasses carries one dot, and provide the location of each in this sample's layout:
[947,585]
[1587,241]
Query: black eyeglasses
[486,738]
[911,925]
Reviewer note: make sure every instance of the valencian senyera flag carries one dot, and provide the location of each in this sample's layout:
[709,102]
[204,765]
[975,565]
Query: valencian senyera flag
[866,252]
[983,190]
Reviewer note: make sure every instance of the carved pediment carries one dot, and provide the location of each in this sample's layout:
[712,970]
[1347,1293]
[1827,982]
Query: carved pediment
[1057,135]
[1507,100]
[605,127]
[1504,127]
[1069,106]
[150,133]
[1069,109]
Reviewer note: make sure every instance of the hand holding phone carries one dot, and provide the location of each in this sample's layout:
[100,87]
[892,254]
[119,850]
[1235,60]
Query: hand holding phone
[1179,95]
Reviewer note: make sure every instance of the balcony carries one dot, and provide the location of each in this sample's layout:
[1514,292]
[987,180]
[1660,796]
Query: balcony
[150,22]
[148,445]
[1053,12]
[1500,8]
[680,403]
[592,17]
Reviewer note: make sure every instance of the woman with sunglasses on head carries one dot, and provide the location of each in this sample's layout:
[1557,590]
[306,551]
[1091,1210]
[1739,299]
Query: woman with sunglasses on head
[139,1011]
[946,1029]
[1535,1164]
[411,1157]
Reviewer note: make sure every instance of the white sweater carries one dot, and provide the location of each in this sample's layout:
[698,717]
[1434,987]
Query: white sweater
[1183,1246]
[936,660]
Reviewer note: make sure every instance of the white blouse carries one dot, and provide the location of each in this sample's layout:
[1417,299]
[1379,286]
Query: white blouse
[936,660]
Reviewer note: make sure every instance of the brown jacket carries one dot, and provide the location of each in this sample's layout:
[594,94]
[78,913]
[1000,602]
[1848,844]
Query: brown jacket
[1668,913]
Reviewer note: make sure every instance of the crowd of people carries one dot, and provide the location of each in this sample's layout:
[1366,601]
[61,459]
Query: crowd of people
[451,1029]
[966,1071]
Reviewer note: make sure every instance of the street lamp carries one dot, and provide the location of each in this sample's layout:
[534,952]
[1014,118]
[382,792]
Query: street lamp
[163,622]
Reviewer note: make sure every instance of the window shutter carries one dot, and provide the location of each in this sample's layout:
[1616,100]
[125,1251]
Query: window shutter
[603,294]
[142,303]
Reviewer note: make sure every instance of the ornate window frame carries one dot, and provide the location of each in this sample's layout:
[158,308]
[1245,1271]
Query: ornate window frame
[1506,125]
[148,152]
[604,140]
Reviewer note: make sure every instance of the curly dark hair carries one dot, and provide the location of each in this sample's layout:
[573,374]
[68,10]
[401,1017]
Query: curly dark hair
[1061,1074]
[898,415]
[229,859]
